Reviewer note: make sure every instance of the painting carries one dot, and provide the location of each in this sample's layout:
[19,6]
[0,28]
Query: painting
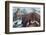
[22,17]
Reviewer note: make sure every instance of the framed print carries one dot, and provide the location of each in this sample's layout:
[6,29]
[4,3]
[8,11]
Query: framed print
[23,17]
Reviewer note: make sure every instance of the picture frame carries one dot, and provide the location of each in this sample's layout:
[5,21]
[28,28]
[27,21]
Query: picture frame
[14,6]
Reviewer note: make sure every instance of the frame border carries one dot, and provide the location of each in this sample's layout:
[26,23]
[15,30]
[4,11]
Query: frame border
[7,16]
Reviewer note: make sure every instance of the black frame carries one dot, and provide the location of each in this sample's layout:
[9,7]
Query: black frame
[7,16]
